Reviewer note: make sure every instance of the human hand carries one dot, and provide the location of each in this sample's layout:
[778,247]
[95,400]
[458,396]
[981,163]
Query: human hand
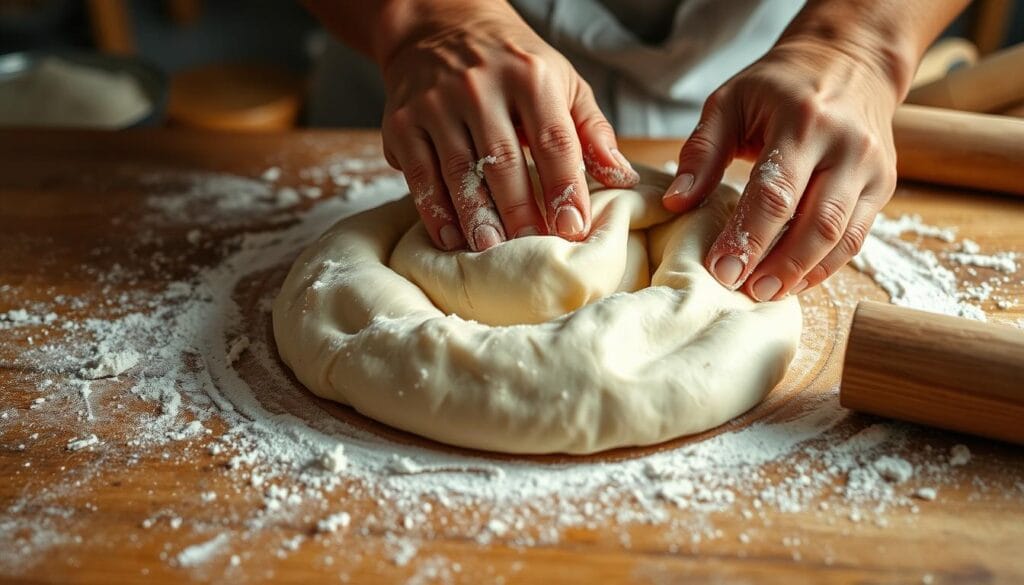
[467,86]
[817,120]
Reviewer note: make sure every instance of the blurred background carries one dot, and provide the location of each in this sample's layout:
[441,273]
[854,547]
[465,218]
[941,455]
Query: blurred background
[239,65]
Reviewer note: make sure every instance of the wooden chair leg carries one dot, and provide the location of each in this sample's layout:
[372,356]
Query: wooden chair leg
[111,26]
[991,21]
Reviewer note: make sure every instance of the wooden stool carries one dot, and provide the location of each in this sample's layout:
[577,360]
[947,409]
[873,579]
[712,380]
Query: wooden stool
[235,97]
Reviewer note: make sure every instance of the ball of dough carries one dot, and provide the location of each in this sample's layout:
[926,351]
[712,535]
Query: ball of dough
[538,345]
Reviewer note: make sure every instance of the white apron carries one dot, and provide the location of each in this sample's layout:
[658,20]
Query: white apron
[645,87]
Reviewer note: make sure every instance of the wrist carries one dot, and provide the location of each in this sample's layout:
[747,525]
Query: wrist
[401,22]
[848,30]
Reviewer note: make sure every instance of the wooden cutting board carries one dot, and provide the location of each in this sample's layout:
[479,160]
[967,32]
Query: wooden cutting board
[52,215]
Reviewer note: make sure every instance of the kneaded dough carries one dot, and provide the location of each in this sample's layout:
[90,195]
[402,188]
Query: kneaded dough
[538,345]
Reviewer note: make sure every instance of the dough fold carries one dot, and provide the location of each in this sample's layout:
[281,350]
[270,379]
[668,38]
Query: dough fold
[538,345]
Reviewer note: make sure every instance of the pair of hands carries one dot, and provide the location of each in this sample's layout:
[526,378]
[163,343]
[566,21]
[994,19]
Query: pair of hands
[465,96]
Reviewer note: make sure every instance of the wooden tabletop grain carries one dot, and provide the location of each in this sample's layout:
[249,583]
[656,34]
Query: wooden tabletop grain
[58,193]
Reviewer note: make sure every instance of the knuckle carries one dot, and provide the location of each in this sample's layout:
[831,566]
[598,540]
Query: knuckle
[853,240]
[889,180]
[717,99]
[813,116]
[556,141]
[584,91]
[430,102]
[507,158]
[532,69]
[820,272]
[751,243]
[473,86]
[868,143]
[862,144]
[457,164]
[829,221]
[794,265]
[775,199]
[599,125]
[811,108]
[398,119]
[418,175]
[699,144]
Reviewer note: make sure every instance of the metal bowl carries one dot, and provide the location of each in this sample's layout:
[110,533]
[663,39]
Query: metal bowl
[151,80]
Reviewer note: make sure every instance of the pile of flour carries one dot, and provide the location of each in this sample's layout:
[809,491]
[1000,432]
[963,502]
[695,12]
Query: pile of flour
[59,93]
[188,373]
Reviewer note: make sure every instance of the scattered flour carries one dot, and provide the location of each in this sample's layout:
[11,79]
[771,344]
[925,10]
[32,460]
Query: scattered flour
[911,276]
[959,455]
[198,554]
[334,459]
[287,197]
[334,523]
[111,364]
[894,469]
[236,348]
[1003,261]
[487,160]
[79,444]
[271,175]
[926,493]
[297,460]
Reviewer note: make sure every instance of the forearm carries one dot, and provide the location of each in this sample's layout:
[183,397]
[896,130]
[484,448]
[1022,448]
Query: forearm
[889,34]
[377,28]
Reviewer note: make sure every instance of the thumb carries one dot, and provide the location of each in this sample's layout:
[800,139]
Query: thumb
[704,156]
[601,153]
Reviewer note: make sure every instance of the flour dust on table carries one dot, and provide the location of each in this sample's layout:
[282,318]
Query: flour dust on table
[183,374]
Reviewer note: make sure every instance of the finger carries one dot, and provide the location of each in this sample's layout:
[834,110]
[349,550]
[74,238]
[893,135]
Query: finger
[601,153]
[478,217]
[824,213]
[413,154]
[555,148]
[507,176]
[857,230]
[776,183]
[704,156]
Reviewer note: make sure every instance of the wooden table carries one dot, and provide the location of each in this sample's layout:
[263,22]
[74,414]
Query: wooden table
[65,195]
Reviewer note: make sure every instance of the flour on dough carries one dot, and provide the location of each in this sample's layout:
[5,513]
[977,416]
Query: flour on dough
[538,345]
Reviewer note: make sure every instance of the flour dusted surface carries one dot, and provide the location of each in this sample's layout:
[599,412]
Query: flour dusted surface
[263,442]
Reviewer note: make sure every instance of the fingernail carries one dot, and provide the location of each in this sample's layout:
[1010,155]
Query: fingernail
[527,231]
[680,186]
[485,236]
[728,269]
[799,288]
[451,239]
[766,288]
[568,221]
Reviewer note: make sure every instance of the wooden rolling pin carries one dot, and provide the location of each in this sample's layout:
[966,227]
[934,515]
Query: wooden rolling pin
[990,85]
[947,372]
[979,151]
